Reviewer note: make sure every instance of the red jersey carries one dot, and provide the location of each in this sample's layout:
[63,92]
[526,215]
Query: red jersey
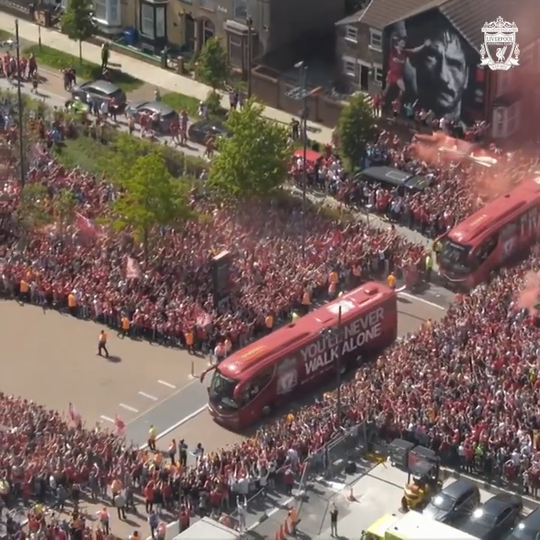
[395,64]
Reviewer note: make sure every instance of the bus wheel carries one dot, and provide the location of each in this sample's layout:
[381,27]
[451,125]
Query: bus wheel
[266,411]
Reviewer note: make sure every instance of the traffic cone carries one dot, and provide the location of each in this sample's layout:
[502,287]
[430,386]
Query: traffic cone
[351,496]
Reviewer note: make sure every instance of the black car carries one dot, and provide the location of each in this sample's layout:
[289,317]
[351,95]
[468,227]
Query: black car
[495,518]
[527,529]
[198,132]
[453,502]
[99,91]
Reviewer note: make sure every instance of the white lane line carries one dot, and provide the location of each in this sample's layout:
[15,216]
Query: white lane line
[129,408]
[427,302]
[148,396]
[179,423]
[167,384]
[107,419]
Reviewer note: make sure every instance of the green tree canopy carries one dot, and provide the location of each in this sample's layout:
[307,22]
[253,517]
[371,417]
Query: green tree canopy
[213,64]
[254,160]
[150,197]
[63,206]
[77,22]
[356,127]
[33,210]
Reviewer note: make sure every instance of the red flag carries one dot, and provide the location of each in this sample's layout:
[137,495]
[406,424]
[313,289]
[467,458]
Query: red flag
[84,224]
[204,319]
[133,269]
[120,425]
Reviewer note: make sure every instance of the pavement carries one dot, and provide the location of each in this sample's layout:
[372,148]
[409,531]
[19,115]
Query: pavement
[377,490]
[143,71]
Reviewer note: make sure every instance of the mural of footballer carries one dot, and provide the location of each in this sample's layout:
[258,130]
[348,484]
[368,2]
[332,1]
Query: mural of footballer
[397,57]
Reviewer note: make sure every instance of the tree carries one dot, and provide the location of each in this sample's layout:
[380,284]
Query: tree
[254,160]
[213,64]
[63,206]
[356,127]
[33,211]
[77,22]
[150,197]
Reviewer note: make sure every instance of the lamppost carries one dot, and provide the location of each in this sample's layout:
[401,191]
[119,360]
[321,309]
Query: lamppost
[302,75]
[20,106]
[249,22]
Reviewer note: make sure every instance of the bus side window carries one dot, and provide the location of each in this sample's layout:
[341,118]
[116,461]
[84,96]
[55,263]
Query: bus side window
[260,381]
[487,247]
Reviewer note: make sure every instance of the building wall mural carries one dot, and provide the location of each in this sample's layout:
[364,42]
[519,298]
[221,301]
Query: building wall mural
[428,62]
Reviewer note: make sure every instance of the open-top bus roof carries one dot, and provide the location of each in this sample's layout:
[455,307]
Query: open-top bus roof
[497,212]
[367,297]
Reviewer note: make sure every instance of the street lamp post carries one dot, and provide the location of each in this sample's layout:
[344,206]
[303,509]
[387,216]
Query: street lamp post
[39,34]
[20,106]
[302,73]
[249,22]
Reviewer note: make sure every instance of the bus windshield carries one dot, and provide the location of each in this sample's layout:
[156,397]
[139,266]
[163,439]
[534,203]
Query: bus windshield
[455,257]
[222,391]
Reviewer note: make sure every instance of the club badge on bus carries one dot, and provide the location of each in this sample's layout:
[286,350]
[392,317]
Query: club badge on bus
[500,50]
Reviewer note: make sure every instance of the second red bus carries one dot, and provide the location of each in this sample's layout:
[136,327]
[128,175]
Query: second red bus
[498,235]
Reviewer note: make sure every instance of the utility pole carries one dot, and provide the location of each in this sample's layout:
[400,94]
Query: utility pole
[338,365]
[303,129]
[249,22]
[20,106]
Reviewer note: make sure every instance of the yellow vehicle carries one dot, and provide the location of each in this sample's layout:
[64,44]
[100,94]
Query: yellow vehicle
[377,531]
[415,526]
[423,480]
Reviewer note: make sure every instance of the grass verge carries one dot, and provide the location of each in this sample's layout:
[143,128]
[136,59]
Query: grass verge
[4,34]
[95,156]
[181,102]
[87,71]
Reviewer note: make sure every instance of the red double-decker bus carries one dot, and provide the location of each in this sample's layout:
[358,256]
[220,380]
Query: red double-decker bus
[498,235]
[299,357]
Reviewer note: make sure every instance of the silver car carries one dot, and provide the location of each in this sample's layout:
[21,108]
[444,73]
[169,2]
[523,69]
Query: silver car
[167,114]
[100,91]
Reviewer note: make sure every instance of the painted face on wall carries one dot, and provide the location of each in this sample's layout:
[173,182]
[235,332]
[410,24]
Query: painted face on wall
[442,74]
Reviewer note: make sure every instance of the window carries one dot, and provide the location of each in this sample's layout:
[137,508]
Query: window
[499,121]
[375,39]
[187,1]
[512,119]
[351,33]
[161,31]
[147,20]
[100,10]
[378,74]
[349,66]
[503,82]
[210,5]
[240,10]
[114,12]
[235,44]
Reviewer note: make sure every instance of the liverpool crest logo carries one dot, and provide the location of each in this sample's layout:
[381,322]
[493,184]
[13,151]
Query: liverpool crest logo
[500,50]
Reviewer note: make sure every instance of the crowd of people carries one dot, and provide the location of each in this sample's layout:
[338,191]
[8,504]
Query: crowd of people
[169,292]
[461,178]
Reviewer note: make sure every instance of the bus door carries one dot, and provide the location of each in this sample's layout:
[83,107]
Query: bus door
[256,395]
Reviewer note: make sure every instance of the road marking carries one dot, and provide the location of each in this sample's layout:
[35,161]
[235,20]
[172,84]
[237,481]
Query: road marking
[148,396]
[167,384]
[107,419]
[179,423]
[427,302]
[127,407]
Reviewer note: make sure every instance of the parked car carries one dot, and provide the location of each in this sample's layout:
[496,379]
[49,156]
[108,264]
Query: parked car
[527,529]
[495,518]
[455,501]
[167,114]
[199,131]
[100,91]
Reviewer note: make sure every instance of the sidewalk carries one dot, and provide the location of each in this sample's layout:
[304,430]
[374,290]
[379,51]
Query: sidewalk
[137,68]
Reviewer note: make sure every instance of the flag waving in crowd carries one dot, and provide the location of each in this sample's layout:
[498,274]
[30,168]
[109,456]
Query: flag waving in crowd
[133,269]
